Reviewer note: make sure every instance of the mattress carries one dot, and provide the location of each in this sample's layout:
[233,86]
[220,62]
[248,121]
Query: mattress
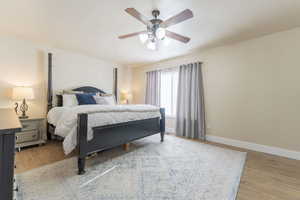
[65,119]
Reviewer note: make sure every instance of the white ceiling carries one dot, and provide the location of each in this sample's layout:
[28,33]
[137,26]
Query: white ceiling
[92,26]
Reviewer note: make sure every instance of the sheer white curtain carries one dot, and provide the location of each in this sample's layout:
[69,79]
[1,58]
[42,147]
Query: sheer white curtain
[168,96]
[161,89]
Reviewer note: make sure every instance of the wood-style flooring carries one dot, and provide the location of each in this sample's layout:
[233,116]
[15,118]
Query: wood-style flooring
[265,177]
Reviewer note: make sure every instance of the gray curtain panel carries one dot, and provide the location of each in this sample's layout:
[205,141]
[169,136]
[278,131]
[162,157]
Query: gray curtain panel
[153,88]
[190,116]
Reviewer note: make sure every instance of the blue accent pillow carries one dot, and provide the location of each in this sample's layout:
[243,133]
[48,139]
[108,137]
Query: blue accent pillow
[85,99]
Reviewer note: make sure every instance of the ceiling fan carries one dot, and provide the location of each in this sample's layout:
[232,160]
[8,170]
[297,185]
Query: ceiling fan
[156,28]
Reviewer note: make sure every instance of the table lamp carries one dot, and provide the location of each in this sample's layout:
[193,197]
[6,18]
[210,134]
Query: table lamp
[22,93]
[125,96]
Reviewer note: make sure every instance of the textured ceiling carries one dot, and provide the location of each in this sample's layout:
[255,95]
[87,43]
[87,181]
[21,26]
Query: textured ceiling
[92,26]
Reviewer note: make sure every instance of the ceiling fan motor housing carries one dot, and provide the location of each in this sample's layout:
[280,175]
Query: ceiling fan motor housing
[155,13]
[155,24]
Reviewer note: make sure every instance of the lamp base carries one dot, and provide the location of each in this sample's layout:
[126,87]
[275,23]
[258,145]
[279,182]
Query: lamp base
[23,117]
[24,108]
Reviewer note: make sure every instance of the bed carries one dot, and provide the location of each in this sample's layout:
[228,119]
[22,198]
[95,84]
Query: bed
[93,133]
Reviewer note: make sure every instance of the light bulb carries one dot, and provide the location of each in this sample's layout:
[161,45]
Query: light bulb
[143,37]
[151,45]
[166,41]
[160,33]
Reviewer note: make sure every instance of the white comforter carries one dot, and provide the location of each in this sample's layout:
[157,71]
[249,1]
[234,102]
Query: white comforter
[65,119]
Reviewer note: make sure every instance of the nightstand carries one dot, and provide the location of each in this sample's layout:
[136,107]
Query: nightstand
[32,133]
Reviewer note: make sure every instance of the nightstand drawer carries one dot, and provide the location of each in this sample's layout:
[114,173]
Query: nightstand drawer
[27,136]
[30,125]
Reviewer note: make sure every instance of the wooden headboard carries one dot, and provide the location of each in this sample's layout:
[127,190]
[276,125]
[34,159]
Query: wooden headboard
[89,89]
[85,89]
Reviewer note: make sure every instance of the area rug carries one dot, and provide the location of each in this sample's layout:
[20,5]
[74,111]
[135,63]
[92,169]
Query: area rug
[177,169]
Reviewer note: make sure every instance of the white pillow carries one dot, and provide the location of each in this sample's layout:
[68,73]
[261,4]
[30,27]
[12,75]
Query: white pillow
[100,100]
[69,100]
[110,99]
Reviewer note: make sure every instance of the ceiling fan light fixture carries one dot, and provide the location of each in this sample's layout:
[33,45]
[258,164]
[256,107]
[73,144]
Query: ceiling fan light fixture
[151,45]
[166,41]
[143,37]
[160,33]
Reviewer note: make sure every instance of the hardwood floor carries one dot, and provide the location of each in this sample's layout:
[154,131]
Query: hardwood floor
[269,177]
[265,177]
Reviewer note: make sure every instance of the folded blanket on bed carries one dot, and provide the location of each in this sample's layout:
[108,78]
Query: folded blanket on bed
[65,119]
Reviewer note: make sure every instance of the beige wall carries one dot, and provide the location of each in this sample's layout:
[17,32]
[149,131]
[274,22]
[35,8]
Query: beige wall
[21,64]
[252,89]
[24,63]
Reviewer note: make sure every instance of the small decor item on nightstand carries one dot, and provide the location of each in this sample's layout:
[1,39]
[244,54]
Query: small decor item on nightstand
[22,93]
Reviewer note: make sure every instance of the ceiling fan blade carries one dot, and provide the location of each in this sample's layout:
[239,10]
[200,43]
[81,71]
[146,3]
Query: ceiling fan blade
[131,34]
[136,14]
[184,15]
[178,37]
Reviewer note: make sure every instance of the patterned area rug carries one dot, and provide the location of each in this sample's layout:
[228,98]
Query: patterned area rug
[177,169]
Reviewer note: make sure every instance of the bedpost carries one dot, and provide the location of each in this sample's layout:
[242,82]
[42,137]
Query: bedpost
[49,92]
[82,141]
[162,124]
[115,83]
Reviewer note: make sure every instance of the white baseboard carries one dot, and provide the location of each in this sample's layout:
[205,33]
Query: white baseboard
[255,147]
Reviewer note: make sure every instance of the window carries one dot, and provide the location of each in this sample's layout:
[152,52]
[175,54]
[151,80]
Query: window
[168,97]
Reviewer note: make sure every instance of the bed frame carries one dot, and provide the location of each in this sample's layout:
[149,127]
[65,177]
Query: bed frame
[108,136]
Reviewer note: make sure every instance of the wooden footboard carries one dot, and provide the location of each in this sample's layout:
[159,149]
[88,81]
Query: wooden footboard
[106,137]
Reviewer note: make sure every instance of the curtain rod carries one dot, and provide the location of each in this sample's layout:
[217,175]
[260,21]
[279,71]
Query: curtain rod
[166,68]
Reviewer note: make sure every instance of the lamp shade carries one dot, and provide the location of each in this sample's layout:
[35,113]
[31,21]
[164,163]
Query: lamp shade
[125,96]
[20,93]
